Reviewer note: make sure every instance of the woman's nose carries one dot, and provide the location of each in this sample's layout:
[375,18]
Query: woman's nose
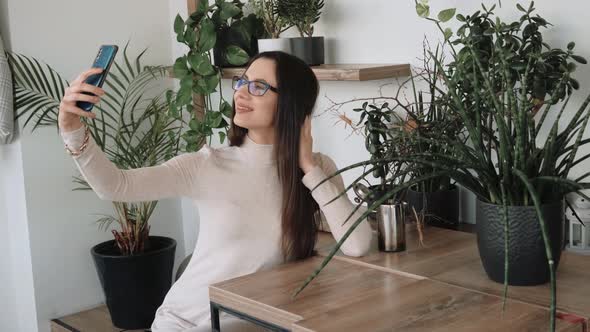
[242,92]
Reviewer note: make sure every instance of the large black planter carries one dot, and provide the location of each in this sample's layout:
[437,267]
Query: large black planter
[135,286]
[309,49]
[527,259]
[441,208]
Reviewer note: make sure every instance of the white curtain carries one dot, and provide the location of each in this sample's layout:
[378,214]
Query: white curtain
[6,99]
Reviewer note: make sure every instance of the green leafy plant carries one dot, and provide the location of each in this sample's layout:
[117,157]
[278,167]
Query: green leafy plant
[404,125]
[377,119]
[201,32]
[506,160]
[274,24]
[234,33]
[132,129]
[301,13]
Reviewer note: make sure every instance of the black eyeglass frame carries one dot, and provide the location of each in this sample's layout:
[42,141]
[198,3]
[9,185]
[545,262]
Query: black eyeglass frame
[267,86]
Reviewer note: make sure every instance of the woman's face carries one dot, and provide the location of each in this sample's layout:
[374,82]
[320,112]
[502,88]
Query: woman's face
[257,112]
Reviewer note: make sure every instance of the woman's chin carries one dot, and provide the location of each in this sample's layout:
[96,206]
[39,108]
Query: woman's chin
[238,120]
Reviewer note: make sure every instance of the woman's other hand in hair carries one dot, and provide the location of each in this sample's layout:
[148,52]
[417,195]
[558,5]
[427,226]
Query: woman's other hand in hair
[306,162]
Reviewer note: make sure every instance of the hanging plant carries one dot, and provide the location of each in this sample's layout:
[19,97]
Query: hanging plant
[201,32]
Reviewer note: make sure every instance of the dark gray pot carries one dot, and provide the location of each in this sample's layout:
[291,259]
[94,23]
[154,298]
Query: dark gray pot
[309,49]
[527,259]
[441,207]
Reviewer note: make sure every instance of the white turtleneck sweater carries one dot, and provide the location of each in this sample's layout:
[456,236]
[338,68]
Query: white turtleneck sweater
[238,195]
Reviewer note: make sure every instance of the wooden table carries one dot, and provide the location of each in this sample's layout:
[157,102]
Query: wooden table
[378,292]
[452,257]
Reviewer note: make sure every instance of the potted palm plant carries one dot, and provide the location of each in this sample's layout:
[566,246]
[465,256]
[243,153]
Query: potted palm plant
[274,25]
[134,268]
[303,14]
[503,83]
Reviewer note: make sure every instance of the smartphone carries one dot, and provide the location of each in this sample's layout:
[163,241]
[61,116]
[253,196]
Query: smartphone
[104,59]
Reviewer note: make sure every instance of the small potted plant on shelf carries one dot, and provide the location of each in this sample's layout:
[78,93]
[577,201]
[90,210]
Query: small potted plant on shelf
[274,25]
[303,14]
[134,131]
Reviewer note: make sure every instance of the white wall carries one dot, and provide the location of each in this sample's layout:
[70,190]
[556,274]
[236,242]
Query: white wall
[16,275]
[61,230]
[56,229]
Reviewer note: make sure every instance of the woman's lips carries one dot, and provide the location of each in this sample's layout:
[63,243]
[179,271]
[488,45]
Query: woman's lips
[243,109]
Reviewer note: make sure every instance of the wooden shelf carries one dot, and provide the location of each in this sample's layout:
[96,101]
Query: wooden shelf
[94,320]
[344,72]
[339,72]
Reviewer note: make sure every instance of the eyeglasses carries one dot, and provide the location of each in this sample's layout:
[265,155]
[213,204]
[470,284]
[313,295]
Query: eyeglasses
[255,88]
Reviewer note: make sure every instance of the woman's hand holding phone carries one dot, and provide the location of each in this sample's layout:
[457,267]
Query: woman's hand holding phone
[69,114]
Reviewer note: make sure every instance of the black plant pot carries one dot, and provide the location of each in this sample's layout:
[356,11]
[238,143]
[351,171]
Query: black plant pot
[441,208]
[227,37]
[309,49]
[527,259]
[135,286]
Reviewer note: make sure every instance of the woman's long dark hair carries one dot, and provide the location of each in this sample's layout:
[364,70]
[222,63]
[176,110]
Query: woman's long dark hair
[298,90]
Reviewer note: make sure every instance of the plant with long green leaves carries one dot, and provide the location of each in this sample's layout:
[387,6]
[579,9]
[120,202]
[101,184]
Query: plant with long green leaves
[506,160]
[133,130]
[427,118]
[274,24]
[197,73]
[405,122]
[301,13]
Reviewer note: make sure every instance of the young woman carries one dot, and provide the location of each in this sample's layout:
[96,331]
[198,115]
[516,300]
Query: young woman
[255,205]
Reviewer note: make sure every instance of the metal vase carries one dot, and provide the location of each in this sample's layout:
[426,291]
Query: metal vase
[391,229]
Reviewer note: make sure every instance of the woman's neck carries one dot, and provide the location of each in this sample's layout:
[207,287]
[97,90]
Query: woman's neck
[256,153]
[262,136]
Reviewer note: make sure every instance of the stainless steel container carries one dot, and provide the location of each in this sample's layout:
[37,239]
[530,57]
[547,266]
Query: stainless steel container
[391,230]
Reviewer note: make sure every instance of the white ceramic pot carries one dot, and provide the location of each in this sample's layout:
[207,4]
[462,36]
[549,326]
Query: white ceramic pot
[274,44]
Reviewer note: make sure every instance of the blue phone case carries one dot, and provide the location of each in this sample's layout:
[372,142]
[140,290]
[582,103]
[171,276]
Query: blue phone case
[104,59]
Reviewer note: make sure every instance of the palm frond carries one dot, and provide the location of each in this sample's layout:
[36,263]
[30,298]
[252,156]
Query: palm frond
[38,90]
[134,127]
